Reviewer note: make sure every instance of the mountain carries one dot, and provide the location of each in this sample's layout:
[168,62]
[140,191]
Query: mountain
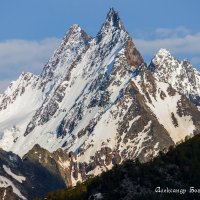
[175,174]
[98,103]
[180,74]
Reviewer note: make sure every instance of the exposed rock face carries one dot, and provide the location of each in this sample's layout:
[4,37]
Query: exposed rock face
[8,194]
[33,175]
[95,104]
[133,56]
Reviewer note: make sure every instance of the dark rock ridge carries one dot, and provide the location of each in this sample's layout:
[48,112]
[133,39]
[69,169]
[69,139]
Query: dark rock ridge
[39,171]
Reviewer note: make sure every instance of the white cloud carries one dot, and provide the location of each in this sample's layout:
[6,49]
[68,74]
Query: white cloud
[16,55]
[23,55]
[172,32]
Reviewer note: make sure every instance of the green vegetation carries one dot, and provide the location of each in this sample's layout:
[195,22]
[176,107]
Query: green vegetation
[178,169]
[79,192]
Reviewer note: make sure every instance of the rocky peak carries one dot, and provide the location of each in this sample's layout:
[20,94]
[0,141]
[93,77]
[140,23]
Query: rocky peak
[113,19]
[75,36]
[163,61]
[180,74]
[111,25]
[24,79]
[74,43]
[163,53]
[27,77]
[75,28]
[186,62]
[75,32]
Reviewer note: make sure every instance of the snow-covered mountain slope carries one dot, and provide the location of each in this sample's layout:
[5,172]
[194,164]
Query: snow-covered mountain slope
[17,106]
[180,74]
[172,109]
[23,97]
[24,85]
[98,101]
[75,42]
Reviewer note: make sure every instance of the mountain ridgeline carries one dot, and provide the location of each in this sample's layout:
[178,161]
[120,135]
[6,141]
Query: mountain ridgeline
[176,172]
[96,104]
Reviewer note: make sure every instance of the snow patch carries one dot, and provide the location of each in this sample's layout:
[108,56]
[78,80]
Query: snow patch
[4,182]
[16,177]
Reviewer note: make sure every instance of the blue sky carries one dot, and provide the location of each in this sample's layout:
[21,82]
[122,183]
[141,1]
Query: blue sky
[31,29]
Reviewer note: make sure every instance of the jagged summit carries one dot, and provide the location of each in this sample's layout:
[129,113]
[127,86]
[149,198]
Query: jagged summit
[114,19]
[112,12]
[180,74]
[112,24]
[75,30]
[186,62]
[27,75]
[75,27]
[163,52]
[74,43]
[25,79]
[163,55]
